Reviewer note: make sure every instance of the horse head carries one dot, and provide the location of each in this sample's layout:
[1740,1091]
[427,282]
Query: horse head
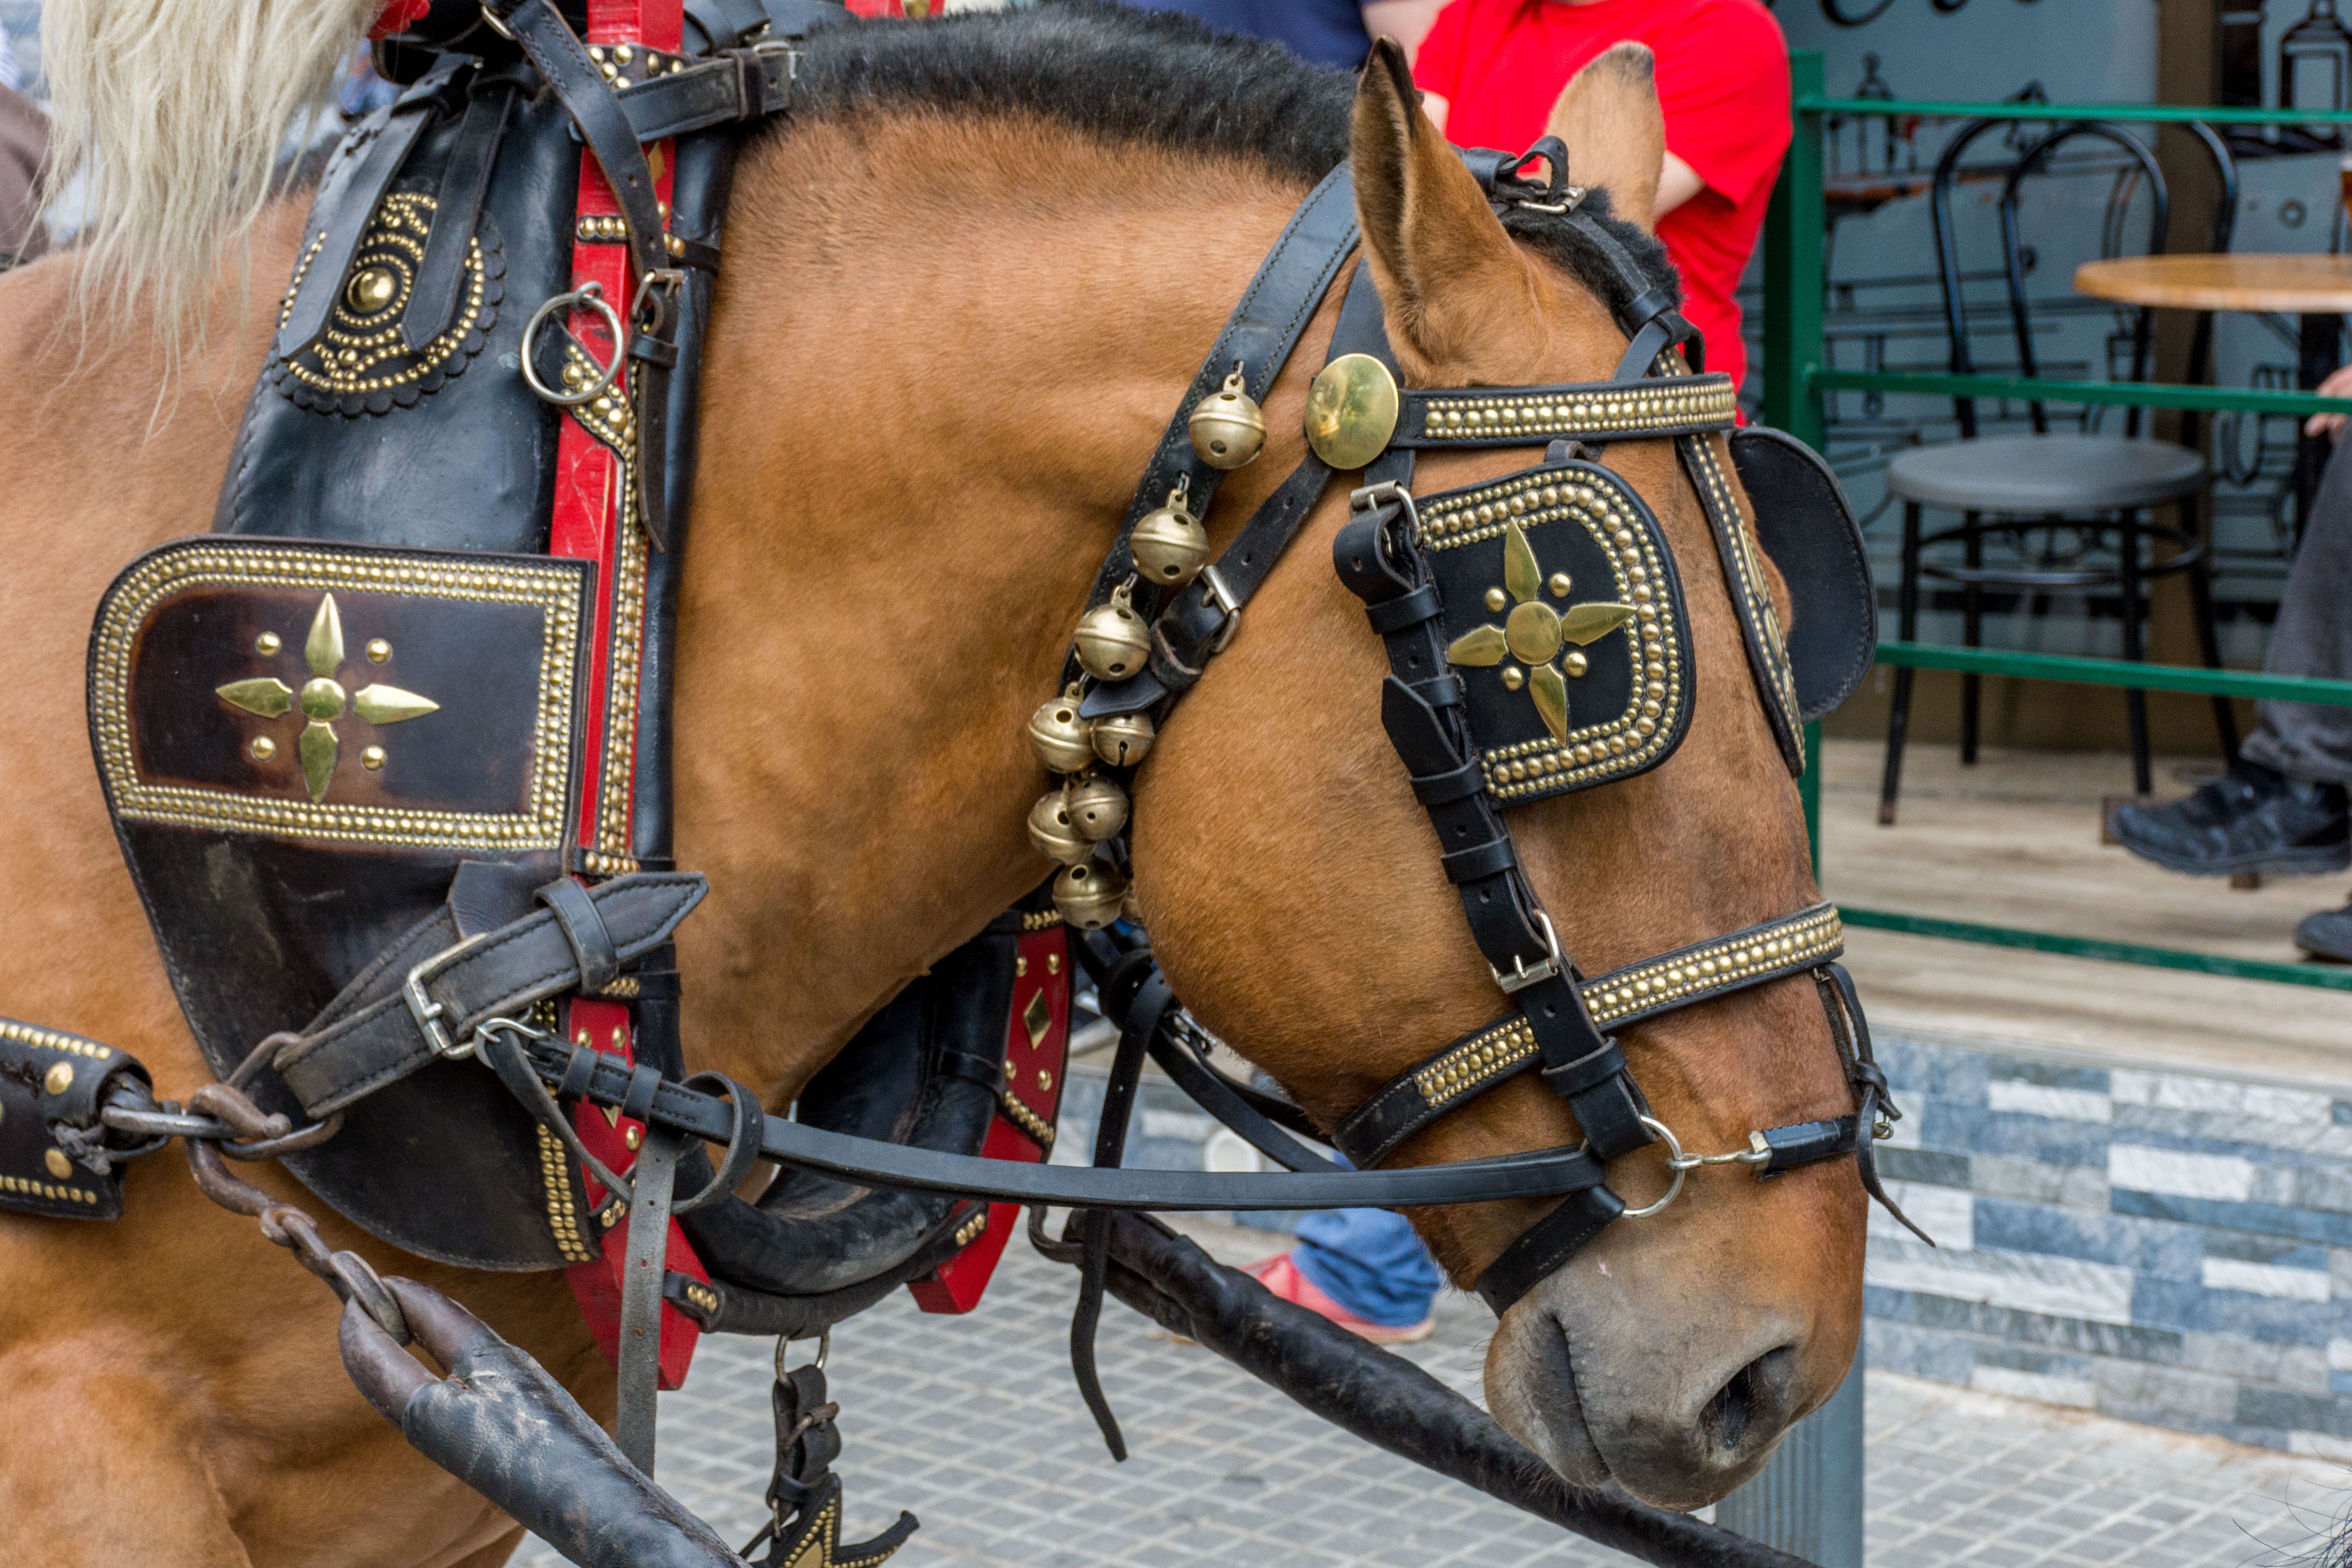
[953,320]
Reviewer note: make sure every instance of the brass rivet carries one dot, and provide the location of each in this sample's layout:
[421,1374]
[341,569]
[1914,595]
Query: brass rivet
[1020,967]
[1052,963]
[378,650]
[1496,599]
[634,1136]
[267,643]
[371,759]
[263,748]
[1513,678]
[1045,1080]
[60,1079]
[620,1038]
[1559,586]
[59,1166]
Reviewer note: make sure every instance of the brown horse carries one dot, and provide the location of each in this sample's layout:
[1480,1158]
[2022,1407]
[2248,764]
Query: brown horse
[946,337]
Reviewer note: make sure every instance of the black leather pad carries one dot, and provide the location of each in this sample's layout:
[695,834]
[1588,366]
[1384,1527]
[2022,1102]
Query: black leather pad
[1806,526]
[1563,619]
[269,895]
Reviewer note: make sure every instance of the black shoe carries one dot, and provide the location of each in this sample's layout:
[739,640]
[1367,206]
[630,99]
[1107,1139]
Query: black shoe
[2327,934]
[2249,819]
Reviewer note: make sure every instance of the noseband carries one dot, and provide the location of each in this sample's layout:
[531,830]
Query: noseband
[1470,592]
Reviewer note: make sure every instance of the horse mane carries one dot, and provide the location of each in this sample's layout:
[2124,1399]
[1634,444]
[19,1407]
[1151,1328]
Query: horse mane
[170,120]
[1154,78]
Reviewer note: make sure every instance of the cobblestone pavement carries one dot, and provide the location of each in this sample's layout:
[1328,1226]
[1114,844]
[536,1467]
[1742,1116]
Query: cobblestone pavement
[973,1424]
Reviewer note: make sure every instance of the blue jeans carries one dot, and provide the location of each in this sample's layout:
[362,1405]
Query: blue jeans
[1371,1262]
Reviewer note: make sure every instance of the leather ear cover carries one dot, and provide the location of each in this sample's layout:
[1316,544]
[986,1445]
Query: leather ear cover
[1806,527]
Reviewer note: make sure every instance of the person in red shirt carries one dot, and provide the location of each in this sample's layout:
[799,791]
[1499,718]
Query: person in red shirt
[1490,71]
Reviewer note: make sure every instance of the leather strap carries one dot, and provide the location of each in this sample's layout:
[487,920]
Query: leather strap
[1265,326]
[1543,1173]
[652,1181]
[1752,596]
[456,209]
[739,85]
[371,1036]
[1546,1244]
[351,191]
[1472,417]
[593,953]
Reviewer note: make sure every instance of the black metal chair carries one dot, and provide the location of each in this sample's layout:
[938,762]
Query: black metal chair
[2093,486]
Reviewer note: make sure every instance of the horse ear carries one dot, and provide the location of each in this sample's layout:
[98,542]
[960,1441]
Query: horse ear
[1616,136]
[1445,269]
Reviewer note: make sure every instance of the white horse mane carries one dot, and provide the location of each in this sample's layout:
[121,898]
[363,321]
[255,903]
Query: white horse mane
[172,116]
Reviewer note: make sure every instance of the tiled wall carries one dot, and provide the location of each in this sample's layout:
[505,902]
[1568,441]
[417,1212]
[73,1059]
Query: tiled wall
[2169,1247]
[2166,1246]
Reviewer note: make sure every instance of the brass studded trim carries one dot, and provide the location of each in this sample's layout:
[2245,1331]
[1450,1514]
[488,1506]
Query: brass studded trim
[50,1040]
[1631,739]
[1755,592]
[624,65]
[612,420]
[1478,1061]
[1814,937]
[700,1295]
[969,1231]
[359,362]
[1040,920]
[173,569]
[1686,404]
[1029,1121]
[46,1190]
[562,1214]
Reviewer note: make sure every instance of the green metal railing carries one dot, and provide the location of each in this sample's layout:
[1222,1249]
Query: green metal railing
[1796,375]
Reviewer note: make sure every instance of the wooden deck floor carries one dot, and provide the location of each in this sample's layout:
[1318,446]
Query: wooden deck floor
[2015,841]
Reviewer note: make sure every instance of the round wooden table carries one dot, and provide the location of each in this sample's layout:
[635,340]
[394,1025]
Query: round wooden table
[2318,289]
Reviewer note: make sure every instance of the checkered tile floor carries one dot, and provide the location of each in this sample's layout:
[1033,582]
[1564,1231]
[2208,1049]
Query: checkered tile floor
[973,1424]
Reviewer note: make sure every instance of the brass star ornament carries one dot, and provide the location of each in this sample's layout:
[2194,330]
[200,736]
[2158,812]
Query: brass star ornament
[1542,641]
[323,700]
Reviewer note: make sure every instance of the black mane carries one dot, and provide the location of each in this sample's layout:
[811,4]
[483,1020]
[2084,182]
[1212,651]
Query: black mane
[1149,78]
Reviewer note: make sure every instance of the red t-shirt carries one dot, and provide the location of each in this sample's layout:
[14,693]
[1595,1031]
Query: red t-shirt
[1722,81]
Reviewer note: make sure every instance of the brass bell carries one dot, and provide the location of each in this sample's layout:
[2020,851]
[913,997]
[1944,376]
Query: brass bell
[1170,545]
[1228,427]
[1090,896]
[1122,739]
[1063,741]
[1113,641]
[1054,832]
[1097,808]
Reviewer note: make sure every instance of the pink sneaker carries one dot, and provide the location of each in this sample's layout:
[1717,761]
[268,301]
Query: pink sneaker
[1281,1276]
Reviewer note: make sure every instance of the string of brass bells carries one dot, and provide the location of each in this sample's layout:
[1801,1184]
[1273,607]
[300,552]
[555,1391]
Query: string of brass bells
[1170,547]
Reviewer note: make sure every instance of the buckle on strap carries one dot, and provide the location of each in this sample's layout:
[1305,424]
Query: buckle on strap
[1215,592]
[428,1013]
[1553,964]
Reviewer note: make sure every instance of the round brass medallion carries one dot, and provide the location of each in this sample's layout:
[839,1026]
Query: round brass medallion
[371,759]
[59,1166]
[263,748]
[1351,411]
[371,289]
[1532,630]
[321,700]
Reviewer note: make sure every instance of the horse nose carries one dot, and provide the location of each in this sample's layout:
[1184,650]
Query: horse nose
[1710,1425]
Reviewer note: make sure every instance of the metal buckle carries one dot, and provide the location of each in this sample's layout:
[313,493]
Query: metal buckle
[1215,592]
[1555,962]
[497,23]
[427,1012]
[669,280]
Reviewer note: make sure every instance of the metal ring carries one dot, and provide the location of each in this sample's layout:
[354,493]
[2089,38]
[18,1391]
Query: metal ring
[1673,1159]
[591,294]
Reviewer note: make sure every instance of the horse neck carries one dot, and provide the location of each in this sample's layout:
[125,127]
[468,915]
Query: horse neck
[941,354]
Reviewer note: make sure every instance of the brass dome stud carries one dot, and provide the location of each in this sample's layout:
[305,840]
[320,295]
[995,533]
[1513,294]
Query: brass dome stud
[1228,427]
[1112,639]
[1090,896]
[1097,808]
[1063,741]
[1056,835]
[1169,544]
[1123,740]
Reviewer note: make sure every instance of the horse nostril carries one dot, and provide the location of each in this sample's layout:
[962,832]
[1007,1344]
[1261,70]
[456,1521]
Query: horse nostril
[1725,1420]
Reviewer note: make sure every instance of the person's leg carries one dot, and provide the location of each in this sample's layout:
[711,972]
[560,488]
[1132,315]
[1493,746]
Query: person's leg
[1364,1268]
[2280,807]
